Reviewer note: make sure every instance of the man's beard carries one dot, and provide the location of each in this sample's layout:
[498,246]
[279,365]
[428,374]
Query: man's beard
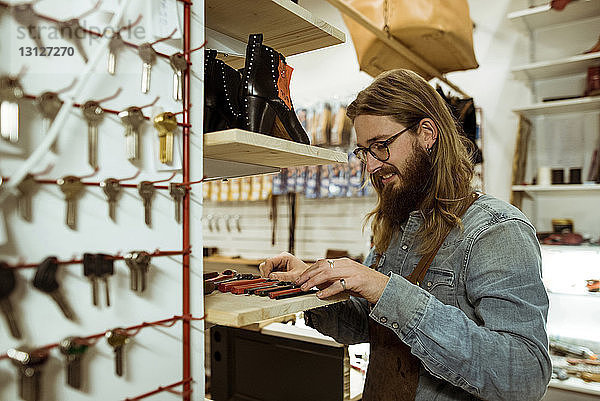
[399,199]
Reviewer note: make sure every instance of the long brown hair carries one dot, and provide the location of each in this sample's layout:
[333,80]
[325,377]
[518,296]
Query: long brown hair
[407,98]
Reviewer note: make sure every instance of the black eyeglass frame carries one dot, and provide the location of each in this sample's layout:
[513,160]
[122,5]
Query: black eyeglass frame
[386,143]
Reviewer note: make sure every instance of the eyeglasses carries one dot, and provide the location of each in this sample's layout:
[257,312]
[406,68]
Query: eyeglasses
[380,149]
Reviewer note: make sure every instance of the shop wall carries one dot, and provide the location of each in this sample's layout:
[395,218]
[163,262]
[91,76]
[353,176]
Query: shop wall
[154,356]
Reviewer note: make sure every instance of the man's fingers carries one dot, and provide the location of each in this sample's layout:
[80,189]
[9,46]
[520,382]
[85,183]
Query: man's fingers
[333,289]
[284,276]
[313,270]
[278,262]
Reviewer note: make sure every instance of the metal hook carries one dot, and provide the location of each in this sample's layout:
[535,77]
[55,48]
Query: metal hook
[167,179]
[110,97]
[72,84]
[150,104]
[165,38]
[45,171]
[130,178]
[196,49]
[91,10]
[134,23]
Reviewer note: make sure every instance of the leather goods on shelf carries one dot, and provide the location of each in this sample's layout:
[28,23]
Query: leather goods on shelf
[464,112]
[265,94]
[221,94]
[592,87]
[439,31]
[559,5]
[563,239]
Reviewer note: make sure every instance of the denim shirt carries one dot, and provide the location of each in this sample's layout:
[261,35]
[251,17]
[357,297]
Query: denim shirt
[477,322]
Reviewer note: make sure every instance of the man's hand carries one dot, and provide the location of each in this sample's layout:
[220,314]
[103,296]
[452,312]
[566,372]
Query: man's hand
[283,267]
[343,275]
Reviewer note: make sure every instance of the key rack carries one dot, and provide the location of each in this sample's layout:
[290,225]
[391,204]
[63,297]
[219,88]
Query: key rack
[175,281]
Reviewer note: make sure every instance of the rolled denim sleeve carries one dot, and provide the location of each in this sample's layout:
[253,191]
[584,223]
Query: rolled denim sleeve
[504,355]
[346,322]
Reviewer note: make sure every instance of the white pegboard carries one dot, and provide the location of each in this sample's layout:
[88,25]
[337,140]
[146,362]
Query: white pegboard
[154,357]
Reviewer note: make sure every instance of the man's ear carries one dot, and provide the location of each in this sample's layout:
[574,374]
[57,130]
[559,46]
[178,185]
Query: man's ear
[428,132]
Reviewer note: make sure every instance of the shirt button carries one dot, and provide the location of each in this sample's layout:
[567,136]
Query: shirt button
[429,284]
[405,247]
[383,319]
[395,325]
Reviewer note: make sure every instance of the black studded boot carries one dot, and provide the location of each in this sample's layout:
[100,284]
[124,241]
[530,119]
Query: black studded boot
[267,106]
[221,94]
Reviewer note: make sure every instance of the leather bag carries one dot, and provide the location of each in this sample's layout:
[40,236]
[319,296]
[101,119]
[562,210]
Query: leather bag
[439,31]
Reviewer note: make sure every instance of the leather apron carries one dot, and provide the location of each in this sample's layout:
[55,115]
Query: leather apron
[393,373]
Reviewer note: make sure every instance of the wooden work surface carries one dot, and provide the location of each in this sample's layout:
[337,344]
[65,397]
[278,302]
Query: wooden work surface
[286,27]
[232,261]
[241,146]
[242,310]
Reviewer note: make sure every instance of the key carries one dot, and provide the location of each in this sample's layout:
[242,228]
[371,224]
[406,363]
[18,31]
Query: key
[166,124]
[148,56]
[26,189]
[146,190]
[179,65]
[25,15]
[49,105]
[132,118]
[93,114]
[29,362]
[114,46]
[72,188]
[91,272]
[177,192]
[117,338]
[11,92]
[112,189]
[45,281]
[8,282]
[73,32]
[138,263]
[73,348]
[105,269]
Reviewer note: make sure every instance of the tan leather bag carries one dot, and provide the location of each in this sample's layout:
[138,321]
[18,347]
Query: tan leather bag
[439,31]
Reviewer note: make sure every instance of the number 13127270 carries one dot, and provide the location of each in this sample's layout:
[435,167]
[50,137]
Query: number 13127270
[47,51]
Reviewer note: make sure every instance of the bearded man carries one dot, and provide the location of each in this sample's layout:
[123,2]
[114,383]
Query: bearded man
[450,297]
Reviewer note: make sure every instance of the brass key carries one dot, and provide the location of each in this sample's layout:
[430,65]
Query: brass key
[72,188]
[114,46]
[49,105]
[29,362]
[73,32]
[117,338]
[179,65]
[90,270]
[132,118]
[177,192]
[25,15]
[8,282]
[166,124]
[112,189]
[26,188]
[146,190]
[11,93]
[73,348]
[138,263]
[148,56]
[93,114]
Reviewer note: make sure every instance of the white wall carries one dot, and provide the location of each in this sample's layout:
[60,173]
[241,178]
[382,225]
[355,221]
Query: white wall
[154,357]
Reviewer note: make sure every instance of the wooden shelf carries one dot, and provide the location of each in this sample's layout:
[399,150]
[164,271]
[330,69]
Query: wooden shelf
[232,261]
[286,27]
[556,188]
[242,310]
[561,106]
[236,153]
[543,16]
[555,68]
